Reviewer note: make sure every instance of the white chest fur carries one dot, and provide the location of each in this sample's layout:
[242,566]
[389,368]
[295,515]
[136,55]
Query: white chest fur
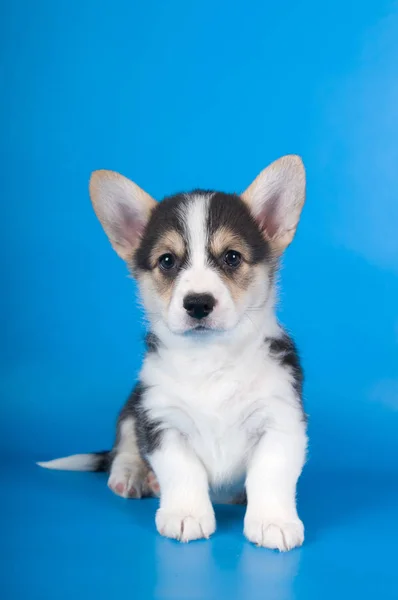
[221,402]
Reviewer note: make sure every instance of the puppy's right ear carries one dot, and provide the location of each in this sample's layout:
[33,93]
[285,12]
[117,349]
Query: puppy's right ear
[123,209]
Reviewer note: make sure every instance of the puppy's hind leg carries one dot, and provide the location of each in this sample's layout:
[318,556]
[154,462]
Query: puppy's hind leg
[130,476]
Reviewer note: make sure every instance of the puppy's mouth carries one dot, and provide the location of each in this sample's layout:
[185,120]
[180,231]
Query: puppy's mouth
[203,328]
[193,327]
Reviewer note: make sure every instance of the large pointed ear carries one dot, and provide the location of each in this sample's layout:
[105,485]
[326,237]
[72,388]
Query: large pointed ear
[276,198]
[123,209]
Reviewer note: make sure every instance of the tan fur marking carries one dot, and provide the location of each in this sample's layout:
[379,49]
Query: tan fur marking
[224,239]
[238,281]
[157,284]
[172,242]
[163,285]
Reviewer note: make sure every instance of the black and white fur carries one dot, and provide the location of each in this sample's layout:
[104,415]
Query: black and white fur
[218,407]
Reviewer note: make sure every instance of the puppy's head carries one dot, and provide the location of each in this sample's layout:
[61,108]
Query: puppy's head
[203,260]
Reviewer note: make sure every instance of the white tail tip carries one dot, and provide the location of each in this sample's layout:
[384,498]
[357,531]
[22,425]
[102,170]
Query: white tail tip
[76,462]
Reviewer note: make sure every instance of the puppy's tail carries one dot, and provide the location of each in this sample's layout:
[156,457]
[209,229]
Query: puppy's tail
[97,461]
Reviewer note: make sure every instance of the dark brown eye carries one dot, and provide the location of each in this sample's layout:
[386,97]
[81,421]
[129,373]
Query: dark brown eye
[167,262]
[233,258]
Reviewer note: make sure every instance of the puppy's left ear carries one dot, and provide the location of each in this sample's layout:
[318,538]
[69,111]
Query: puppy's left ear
[275,199]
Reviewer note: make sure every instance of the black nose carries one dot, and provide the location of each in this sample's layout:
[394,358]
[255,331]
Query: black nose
[199,306]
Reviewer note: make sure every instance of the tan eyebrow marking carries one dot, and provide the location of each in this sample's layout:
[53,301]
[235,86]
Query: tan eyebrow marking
[224,239]
[170,241]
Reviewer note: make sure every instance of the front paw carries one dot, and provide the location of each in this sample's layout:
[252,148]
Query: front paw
[183,526]
[277,534]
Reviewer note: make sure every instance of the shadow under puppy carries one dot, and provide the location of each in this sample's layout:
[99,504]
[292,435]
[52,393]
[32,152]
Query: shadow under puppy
[218,405]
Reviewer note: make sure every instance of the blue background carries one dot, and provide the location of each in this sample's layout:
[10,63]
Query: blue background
[177,95]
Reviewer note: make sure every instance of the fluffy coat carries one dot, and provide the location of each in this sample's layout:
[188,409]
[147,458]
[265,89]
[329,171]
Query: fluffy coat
[217,413]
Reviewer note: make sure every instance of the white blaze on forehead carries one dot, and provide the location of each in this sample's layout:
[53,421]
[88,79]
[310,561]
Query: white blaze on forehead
[199,276]
[196,224]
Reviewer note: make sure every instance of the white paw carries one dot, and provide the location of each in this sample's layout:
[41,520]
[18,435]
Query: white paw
[274,533]
[151,486]
[132,479]
[125,483]
[185,527]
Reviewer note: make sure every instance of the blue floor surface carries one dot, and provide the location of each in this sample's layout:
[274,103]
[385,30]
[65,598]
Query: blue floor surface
[67,536]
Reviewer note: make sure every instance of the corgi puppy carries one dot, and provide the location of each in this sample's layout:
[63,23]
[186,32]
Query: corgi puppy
[217,410]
